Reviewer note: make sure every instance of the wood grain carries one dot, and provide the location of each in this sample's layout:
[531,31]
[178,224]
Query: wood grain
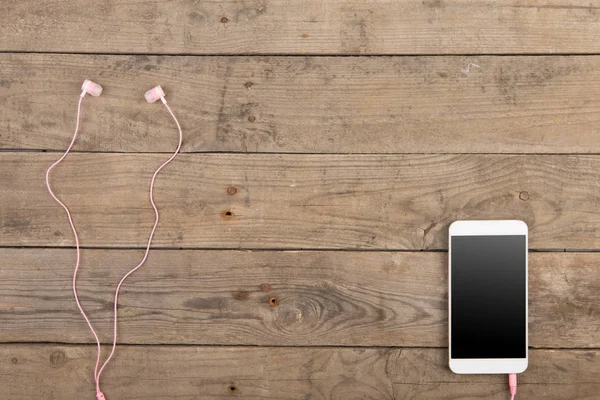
[320,298]
[472,104]
[254,76]
[298,201]
[298,27]
[186,373]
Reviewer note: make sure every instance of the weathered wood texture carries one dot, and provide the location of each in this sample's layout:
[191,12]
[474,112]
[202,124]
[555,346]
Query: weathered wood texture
[306,104]
[297,201]
[186,373]
[300,27]
[227,76]
[277,298]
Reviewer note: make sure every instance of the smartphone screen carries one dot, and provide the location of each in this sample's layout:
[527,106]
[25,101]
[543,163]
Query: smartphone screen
[489,293]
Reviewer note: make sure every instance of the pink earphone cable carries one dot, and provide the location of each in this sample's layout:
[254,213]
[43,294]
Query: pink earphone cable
[98,372]
[99,393]
[512,385]
[74,231]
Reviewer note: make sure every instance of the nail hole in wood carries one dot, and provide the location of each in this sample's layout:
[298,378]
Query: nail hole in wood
[224,20]
[232,388]
[251,118]
[58,358]
[524,195]
[273,301]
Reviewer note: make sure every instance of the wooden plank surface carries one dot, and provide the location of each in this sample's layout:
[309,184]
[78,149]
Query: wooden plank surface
[457,83]
[300,27]
[297,201]
[186,373]
[276,298]
[470,104]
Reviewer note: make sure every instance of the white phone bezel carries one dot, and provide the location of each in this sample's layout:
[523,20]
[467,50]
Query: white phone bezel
[488,365]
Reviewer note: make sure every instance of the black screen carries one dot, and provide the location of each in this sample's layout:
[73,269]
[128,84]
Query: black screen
[488,284]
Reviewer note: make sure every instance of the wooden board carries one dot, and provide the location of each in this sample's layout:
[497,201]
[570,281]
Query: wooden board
[472,104]
[186,373]
[298,27]
[287,264]
[276,298]
[297,201]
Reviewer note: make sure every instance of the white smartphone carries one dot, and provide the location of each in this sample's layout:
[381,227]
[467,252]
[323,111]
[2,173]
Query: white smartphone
[487,297]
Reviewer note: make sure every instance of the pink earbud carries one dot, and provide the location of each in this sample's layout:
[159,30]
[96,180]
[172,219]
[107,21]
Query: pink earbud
[90,87]
[154,94]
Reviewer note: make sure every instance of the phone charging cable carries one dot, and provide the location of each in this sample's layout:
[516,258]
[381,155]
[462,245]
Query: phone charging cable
[512,384]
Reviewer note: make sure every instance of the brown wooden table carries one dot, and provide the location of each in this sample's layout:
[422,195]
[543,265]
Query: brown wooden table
[328,145]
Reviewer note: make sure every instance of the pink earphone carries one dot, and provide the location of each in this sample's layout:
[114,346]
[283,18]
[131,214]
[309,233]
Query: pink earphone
[152,95]
[91,88]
